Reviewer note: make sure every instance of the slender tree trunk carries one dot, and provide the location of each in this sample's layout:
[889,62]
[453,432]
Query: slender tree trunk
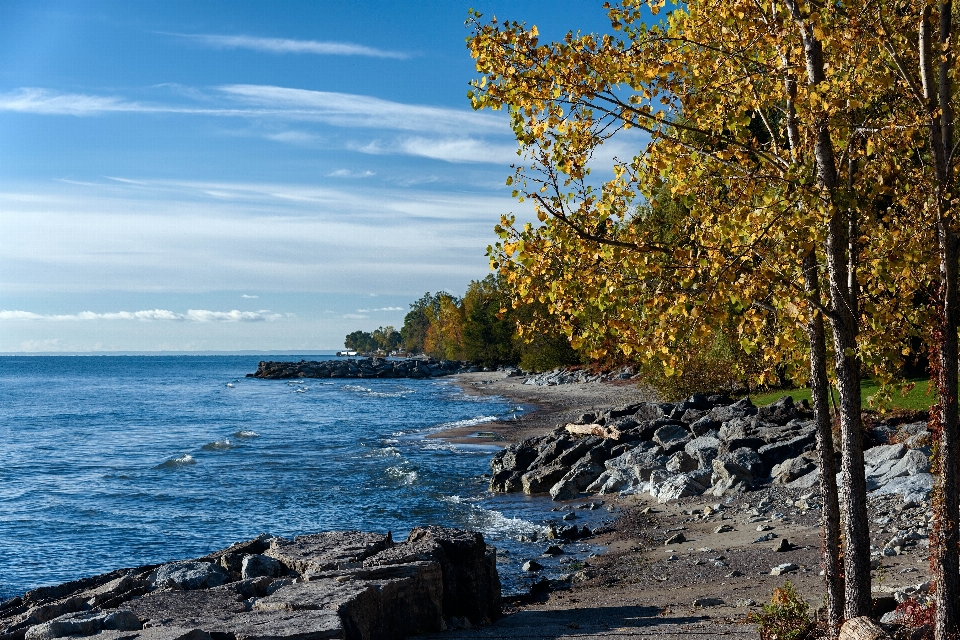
[828,469]
[946,561]
[843,321]
[938,96]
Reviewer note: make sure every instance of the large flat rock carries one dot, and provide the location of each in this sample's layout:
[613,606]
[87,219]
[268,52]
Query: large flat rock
[328,550]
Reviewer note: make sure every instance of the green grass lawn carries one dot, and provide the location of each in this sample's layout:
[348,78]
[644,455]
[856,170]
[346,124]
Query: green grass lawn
[921,397]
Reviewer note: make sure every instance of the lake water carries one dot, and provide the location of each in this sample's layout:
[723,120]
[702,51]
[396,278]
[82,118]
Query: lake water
[117,461]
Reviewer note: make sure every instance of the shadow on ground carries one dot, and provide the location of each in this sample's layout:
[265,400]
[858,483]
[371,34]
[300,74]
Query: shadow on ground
[602,622]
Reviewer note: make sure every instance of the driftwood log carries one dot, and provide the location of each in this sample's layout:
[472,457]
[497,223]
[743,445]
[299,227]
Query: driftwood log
[594,430]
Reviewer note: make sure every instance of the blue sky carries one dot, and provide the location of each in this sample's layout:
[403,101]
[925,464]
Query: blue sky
[242,176]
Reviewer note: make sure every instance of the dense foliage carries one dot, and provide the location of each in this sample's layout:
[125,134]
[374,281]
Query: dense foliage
[384,339]
[485,326]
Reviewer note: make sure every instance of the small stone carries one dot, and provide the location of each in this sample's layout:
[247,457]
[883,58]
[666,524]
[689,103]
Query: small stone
[707,602]
[734,574]
[764,527]
[532,565]
[767,537]
[553,550]
[781,569]
[570,516]
[746,602]
[724,528]
[783,545]
[676,538]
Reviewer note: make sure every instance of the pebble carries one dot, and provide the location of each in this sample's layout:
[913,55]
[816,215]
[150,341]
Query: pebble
[767,537]
[532,565]
[734,574]
[570,516]
[724,528]
[707,602]
[553,550]
[764,527]
[746,602]
[781,569]
[677,538]
[783,545]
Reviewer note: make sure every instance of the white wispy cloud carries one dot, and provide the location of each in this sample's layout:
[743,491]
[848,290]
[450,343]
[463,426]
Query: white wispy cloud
[148,315]
[380,309]
[347,173]
[272,102]
[352,110]
[355,316]
[249,296]
[286,45]
[446,149]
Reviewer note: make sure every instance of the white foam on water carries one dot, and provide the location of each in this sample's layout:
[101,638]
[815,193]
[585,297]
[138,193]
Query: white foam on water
[180,461]
[245,434]
[356,388]
[383,452]
[491,522]
[405,476]
[469,422]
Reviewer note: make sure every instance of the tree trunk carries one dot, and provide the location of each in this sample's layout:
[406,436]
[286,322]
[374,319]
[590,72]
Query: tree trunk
[843,320]
[946,560]
[828,471]
[856,528]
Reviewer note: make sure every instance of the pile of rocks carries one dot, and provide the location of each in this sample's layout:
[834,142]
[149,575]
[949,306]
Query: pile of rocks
[577,376]
[362,368]
[706,444]
[347,585]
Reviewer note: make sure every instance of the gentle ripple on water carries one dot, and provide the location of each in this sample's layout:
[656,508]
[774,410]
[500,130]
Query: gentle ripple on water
[122,461]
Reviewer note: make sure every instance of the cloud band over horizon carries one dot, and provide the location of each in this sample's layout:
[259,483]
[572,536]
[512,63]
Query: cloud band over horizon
[148,315]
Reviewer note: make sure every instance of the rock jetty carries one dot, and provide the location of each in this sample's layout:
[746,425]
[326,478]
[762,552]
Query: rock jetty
[704,445]
[341,584]
[363,368]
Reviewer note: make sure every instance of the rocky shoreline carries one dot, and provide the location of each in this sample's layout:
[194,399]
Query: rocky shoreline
[340,584]
[705,445]
[364,368]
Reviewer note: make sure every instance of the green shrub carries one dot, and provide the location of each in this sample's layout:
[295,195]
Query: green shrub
[785,618]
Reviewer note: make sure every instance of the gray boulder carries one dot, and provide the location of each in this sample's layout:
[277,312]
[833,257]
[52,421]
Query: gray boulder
[259,566]
[742,408]
[541,479]
[671,438]
[703,426]
[780,412]
[680,462]
[735,471]
[794,468]
[613,481]
[550,451]
[652,411]
[703,449]
[86,623]
[776,452]
[189,574]
[915,488]
[679,486]
[576,480]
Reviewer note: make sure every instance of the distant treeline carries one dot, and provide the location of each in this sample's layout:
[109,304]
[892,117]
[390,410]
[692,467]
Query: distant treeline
[481,327]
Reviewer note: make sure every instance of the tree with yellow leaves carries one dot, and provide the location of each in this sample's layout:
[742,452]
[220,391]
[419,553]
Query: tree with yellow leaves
[754,113]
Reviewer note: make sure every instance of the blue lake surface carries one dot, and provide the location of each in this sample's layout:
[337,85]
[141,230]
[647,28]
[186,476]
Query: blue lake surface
[116,461]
